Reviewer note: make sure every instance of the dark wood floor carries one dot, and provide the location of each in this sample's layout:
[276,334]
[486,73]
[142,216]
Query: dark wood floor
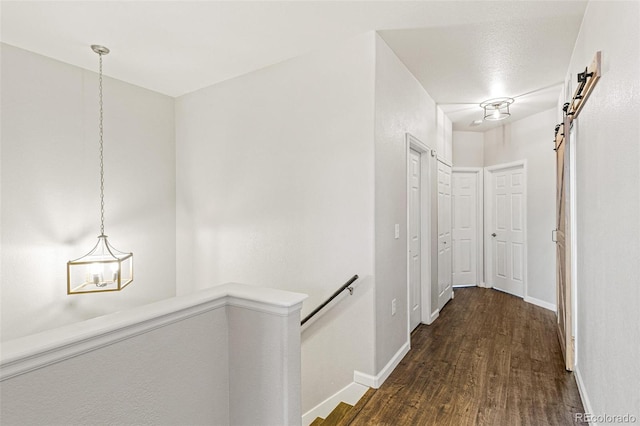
[490,359]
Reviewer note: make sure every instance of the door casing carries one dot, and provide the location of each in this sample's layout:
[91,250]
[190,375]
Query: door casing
[427,164]
[415,238]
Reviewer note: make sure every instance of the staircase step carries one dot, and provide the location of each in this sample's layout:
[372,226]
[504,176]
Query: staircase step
[346,420]
[344,413]
[317,422]
[337,414]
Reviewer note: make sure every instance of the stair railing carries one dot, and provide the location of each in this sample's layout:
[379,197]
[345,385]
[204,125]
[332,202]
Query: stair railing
[345,286]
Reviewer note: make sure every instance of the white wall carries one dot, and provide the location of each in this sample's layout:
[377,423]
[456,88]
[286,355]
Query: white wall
[51,189]
[226,355]
[402,105]
[468,149]
[528,139]
[264,368]
[608,206]
[275,181]
[176,374]
[444,136]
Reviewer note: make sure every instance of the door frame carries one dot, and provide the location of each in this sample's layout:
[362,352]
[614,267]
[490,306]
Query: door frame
[488,214]
[479,171]
[426,157]
[414,217]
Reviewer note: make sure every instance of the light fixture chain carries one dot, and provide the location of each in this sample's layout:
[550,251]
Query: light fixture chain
[101,156]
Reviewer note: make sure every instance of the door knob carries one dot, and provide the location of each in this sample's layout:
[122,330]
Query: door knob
[494,234]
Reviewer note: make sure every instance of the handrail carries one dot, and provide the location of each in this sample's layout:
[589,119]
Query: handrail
[345,286]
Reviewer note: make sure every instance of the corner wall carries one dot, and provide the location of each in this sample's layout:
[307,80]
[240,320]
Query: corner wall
[275,187]
[528,139]
[51,189]
[402,105]
[229,355]
[608,205]
[468,149]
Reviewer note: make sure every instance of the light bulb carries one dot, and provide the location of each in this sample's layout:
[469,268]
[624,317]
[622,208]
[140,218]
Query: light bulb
[115,269]
[496,114]
[96,273]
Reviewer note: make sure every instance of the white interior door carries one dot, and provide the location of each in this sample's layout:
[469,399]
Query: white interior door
[507,224]
[445,291]
[465,228]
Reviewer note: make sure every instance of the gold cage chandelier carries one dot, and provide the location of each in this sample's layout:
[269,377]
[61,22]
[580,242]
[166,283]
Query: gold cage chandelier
[104,268]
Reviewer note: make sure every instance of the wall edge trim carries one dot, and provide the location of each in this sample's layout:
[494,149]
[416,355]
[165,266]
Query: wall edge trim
[541,303]
[39,350]
[434,316]
[377,380]
[350,394]
[582,390]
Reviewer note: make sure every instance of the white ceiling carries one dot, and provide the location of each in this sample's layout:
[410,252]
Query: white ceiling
[517,54]
[462,52]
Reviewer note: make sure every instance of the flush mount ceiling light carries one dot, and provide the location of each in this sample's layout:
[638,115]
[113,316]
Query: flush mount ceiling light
[496,109]
[104,268]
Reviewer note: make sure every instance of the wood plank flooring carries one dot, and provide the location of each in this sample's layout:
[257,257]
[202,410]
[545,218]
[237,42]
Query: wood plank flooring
[490,359]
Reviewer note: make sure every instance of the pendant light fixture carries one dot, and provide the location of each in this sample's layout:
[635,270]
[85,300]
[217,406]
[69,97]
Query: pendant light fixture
[104,268]
[496,109]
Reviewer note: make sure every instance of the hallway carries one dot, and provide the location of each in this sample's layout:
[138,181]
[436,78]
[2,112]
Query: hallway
[490,359]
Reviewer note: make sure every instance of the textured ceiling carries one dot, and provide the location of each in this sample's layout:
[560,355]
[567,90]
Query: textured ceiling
[460,51]
[523,57]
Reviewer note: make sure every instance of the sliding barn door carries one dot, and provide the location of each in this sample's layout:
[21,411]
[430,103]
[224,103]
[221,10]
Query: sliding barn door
[563,248]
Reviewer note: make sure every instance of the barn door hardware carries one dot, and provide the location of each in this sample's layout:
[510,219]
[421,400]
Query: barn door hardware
[586,82]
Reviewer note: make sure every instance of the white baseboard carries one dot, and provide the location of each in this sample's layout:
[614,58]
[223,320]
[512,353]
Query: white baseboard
[377,380]
[541,303]
[350,394]
[434,316]
[430,318]
[464,285]
[583,392]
